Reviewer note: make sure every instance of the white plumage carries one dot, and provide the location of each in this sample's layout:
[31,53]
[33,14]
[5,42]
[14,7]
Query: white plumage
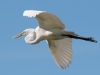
[32,13]
[46,20]
[61,51]
[53,30]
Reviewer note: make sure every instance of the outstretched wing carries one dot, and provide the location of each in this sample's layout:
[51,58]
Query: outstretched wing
[61,51]
[46,20]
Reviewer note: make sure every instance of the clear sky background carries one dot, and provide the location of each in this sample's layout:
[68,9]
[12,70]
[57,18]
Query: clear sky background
[19,58]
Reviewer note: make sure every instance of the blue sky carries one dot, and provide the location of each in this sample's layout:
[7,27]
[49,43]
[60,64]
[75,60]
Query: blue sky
[19,58]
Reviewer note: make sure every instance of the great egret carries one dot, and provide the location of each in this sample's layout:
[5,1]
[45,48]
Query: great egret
[53,30]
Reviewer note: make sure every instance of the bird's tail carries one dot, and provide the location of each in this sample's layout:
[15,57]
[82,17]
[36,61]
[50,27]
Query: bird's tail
[69,34]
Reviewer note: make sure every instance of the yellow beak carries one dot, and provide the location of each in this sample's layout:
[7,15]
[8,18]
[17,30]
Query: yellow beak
[19,35]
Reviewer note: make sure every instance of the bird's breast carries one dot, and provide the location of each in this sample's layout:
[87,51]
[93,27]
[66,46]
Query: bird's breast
[48,34]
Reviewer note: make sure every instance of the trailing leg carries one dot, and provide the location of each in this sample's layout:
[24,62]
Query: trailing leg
[80,37]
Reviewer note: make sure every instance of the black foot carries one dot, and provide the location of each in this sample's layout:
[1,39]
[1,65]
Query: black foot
[91,40]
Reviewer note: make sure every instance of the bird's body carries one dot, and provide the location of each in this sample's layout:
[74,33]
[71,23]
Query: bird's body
[53,30]
[42,34]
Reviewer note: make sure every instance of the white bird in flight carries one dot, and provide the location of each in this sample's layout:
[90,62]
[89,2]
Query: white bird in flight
[52,30]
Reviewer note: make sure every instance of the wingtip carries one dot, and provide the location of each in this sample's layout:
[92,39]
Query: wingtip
[31,13]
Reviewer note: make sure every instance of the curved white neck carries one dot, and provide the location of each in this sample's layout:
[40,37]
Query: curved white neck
[31,38]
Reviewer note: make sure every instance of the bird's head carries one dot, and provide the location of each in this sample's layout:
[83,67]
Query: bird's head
[26,31]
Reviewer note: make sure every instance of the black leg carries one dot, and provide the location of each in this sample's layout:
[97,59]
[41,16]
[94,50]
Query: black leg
[80,37]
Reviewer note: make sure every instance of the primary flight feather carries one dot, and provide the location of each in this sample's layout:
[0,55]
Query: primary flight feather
[51,28]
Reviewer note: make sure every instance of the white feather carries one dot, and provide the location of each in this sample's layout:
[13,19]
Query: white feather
[31,13]
[46,20]
[61,51]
